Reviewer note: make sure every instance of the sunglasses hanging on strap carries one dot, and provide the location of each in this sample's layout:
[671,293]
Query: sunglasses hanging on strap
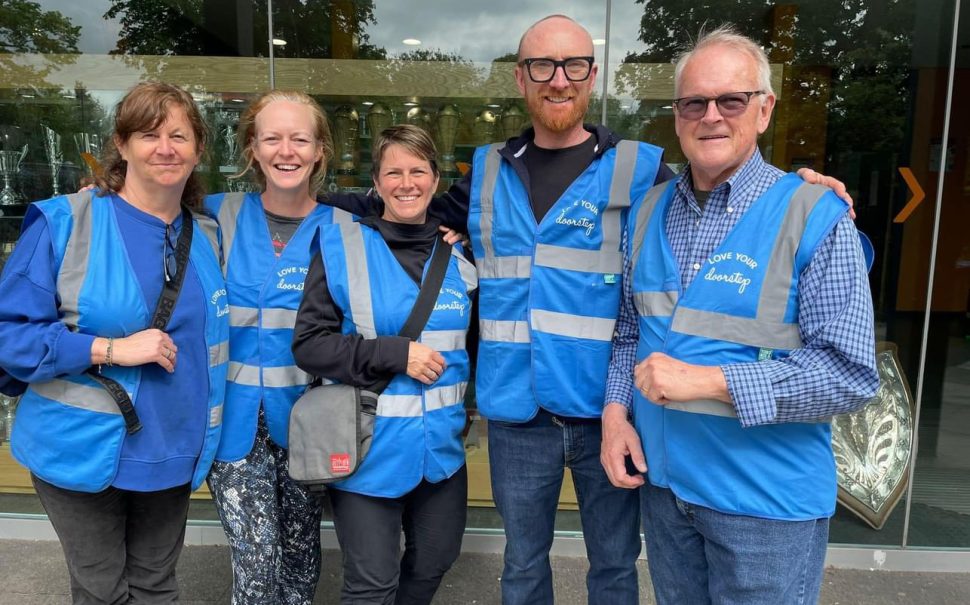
[163,313]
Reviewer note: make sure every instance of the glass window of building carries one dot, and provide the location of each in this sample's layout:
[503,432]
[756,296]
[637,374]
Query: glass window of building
[866,92]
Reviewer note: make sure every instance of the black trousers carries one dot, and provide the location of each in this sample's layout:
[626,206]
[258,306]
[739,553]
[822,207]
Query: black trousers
[432,516]
[121,546]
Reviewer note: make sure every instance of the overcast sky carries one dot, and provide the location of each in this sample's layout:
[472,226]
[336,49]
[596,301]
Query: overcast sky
[479,30]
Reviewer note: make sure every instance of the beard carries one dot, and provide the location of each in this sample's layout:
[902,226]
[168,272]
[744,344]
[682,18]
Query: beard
[557,121]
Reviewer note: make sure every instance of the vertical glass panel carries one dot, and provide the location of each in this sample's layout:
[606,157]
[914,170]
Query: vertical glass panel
[941,499]
[860,89]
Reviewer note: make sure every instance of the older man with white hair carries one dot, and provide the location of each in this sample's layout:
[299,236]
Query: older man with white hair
[747,305]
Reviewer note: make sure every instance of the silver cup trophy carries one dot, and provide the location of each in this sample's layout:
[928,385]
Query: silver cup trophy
[379,117]
[55,157]
[345,123]
[8,405]
[227,122]
[446,133]
[512,121]
[484,128]
[10,160]
[417,116]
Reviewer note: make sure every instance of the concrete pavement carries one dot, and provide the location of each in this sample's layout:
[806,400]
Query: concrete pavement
[34,573]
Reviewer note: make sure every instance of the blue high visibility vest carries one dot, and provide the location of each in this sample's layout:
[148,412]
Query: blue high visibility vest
[264,295]
[550,292]
[417,431]
[69,431]
[741,307]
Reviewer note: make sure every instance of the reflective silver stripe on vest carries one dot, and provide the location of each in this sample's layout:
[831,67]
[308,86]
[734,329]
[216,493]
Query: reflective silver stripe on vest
[493,162]
[642,219]
[768,330]
[228,212]
[575,259]
[742,330]
[243,317]
[624,167]
[573,326]
[778,275]
[272,319]
[711,407]
[215,416]
[219,353]
[210,229]
[655,304]
[504,331]
[74,264]
[278,319]
[467,271]
[282,376]
[409,406]
[501,267]
[92,398]
[342,216]
[358,280]
[444,340]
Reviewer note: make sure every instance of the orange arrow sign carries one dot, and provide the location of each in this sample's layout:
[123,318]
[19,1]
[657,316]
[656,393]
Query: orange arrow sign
[918,195]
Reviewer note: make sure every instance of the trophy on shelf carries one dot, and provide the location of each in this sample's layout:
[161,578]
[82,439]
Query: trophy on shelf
[379,117]
[485,127]
[8,406]
[513,119]
[417,116]
[10,160]
[52,149]
[345,130]
[89,148]
[226,124]
[240,185]
[446,132]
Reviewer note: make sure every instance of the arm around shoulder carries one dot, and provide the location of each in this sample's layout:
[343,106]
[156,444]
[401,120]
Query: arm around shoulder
[321,349]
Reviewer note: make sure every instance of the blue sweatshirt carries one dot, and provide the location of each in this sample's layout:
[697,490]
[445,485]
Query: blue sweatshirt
[37,346]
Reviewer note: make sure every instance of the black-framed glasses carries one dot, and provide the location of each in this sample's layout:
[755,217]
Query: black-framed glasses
[729,105]
[576,69]
[169,262]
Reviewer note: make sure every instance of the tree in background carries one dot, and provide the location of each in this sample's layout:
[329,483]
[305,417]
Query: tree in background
[865,45]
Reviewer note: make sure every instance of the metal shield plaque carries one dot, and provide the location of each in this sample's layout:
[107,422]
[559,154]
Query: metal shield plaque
[873,447]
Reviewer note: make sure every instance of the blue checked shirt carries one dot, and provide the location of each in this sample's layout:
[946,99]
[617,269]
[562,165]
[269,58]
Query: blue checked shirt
[835,370]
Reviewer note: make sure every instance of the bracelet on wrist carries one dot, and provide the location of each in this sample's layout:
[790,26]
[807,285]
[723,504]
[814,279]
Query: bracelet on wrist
[108,352]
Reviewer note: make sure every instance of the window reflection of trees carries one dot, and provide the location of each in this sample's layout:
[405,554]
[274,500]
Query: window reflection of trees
[853,55]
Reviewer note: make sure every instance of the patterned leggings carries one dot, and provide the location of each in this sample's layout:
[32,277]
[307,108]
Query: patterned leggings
[273,526]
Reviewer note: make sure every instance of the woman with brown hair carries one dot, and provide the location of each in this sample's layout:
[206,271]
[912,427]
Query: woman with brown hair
[115,317]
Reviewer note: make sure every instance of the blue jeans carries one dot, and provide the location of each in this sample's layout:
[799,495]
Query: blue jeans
[527,464]
[698,555]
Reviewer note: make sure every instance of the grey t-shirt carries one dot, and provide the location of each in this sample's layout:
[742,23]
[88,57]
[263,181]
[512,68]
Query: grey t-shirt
[281,229]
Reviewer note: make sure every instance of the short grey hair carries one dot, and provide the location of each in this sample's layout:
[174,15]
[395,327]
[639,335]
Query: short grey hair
[725,35]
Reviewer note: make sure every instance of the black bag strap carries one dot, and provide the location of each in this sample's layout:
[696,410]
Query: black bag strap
[163,313]
[424,304]
[172,288]
[430,289]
